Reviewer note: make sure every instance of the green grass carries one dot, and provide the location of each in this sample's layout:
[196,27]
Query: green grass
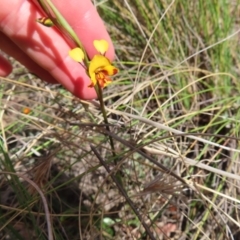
[179,72]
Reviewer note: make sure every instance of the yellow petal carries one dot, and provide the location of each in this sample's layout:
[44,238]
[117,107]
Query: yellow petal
[76,54]
[101,46]
[97,63]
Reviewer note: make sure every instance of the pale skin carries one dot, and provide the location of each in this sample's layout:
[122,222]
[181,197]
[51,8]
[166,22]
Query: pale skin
[44,51]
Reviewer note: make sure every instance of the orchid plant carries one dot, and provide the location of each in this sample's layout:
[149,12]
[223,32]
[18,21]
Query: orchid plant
[99,68]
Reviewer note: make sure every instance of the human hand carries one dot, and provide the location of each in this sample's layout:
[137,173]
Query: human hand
[44,51]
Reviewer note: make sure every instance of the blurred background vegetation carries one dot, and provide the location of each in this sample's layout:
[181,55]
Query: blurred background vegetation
[179,67]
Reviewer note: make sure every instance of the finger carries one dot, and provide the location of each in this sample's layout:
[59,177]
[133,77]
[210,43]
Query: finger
[13,50]
[87,24]
[45,46]
[5,66]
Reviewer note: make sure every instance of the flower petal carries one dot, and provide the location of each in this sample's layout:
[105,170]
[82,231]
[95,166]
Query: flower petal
[98,62]
[101,46]
[103,81]
[109,70]
[93,79]
[76,54]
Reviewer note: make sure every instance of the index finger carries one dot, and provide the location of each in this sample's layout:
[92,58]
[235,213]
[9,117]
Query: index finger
[87,24]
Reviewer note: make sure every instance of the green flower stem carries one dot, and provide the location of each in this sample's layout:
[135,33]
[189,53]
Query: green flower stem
[102,106]
[63,26]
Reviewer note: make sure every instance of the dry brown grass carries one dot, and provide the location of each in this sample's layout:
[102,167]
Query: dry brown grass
[174,121]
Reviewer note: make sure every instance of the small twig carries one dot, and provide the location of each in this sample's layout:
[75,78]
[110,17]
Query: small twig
[123,192]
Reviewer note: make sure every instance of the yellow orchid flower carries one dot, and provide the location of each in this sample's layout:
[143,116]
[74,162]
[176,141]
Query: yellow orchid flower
[100,67]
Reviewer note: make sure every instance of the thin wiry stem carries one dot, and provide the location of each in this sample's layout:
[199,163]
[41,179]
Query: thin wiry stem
[103,109]
[123,192]
[47,213]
